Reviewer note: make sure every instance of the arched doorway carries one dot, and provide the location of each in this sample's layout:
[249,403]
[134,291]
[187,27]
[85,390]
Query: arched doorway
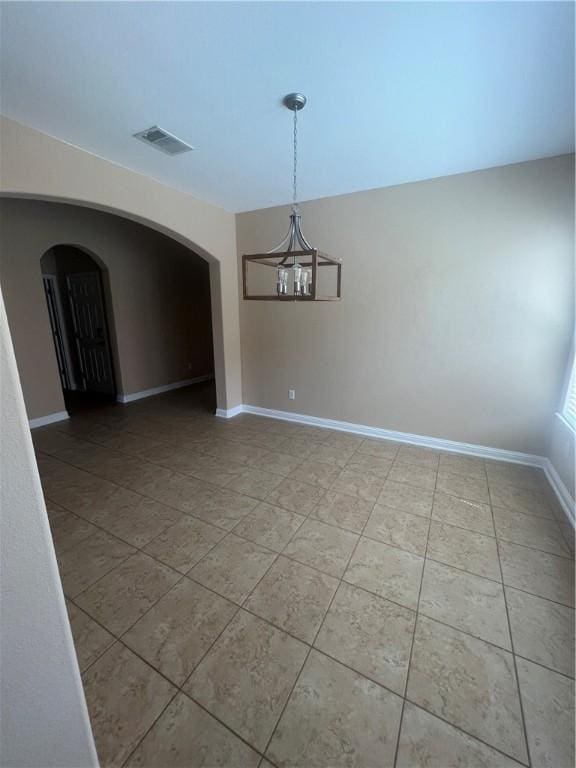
[82,327]
[158,301]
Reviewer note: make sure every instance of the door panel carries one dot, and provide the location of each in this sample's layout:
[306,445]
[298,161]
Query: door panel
[90,332]
[57,335]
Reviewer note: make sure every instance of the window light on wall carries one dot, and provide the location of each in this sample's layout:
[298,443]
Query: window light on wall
[569,405]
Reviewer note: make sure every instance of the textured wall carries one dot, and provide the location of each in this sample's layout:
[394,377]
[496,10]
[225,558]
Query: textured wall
[44,720]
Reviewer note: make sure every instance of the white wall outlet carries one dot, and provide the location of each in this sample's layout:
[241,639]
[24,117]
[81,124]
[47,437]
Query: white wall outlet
[291,394]
[189,366]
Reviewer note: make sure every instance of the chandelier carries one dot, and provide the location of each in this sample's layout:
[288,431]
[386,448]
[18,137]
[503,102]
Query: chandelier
[294,270]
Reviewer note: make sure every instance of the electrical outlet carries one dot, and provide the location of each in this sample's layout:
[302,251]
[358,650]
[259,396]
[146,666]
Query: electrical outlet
[189,366]
[291,394]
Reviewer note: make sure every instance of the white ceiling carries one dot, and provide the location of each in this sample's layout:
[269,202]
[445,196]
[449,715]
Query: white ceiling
[397,91]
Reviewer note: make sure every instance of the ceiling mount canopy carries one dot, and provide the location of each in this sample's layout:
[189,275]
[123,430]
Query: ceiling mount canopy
[295,273]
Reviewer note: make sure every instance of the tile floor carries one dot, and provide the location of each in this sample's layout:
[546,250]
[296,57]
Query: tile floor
[260,593]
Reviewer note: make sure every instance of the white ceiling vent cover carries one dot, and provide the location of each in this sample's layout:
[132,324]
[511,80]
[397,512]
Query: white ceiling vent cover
[163,140]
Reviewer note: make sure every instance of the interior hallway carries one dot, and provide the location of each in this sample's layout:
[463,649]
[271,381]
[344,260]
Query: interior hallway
[254,587]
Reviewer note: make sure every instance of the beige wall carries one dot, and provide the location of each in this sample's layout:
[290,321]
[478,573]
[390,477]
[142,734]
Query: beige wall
[158,298]
[456,314]
[39,166]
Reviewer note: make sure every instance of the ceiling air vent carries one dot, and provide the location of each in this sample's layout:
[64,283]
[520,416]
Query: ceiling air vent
[162,140]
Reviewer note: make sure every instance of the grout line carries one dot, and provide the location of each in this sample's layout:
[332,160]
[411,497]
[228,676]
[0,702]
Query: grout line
[522,716]
[467,733]
[125,762]
[408,668]
[319,626]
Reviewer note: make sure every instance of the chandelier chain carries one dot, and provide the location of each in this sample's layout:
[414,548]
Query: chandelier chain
[294,179]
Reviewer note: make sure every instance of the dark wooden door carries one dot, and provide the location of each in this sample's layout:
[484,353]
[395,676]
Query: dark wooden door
[91,332]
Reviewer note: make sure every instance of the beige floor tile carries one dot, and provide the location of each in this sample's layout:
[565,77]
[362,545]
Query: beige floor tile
[176,633]
[51,441]
[342,439]
[286,429]
[255,483]
[536,532]
[322,546]
[298,448]
[136,519]
[179,458]
[466,602]
[319,434]
[417,501]
[343,511]
[68,529]
[542,631]
[501,473]
[374,465]
[414,454]
[269,526]
[333,455]
[369,634]
[293,597]
[80,493]
[247,676]
[127,592]
[182,545]
[89,560]
[469,466]
[213,470]
[427,742]
[120,440]
[413,474]
[361,484]
[548,701]
[463,513]
[185,736]
[316,473]
[90,639]
[124,697]
[296,496]
[383,449]
[242,452]
[174,490]
[386,571]
[233,567]
[463,487]
[521,500]
[336,717]
[277,462]
[464,549]
[537,572]
[268,440]
[223,507]
[468,682]
[398,528]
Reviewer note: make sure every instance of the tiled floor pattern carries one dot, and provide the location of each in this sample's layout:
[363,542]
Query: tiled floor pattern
[248,588]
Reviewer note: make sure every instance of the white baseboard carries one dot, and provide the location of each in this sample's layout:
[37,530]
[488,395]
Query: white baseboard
[230,413]
[567,502]
[129,398]
[470,449]
[52,418]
